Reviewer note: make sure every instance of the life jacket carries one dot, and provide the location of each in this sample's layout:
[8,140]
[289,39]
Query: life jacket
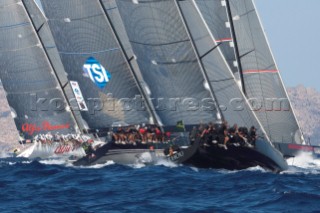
[158,132]
[168,134]
[142,131]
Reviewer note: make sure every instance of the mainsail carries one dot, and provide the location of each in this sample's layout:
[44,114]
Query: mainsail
[33,92]
[262,81]
[168,63]
[82,33]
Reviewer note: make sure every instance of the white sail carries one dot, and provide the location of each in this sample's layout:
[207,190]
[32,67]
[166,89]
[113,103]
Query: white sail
[262,79]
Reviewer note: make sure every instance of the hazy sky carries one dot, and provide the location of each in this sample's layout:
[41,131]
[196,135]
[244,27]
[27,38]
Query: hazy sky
[293,30]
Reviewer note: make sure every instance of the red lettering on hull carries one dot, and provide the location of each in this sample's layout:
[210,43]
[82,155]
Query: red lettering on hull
[63,149]
[300,147]
[45,126]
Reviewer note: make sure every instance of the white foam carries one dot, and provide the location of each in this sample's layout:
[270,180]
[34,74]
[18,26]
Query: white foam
[257,168]
[56,161]
[97,166]
[194,169]
[304,160]
[304,163]
[166,163]
[137,165]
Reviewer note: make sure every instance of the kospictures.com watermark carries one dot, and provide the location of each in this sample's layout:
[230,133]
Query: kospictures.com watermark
[137,103]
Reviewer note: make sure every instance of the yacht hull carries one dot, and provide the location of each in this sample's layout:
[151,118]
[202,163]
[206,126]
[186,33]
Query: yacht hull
[127,154]
[239,157]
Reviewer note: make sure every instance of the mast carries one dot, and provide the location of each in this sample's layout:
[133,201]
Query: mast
[236,47]
[114,32]
[52,67]
[206,77]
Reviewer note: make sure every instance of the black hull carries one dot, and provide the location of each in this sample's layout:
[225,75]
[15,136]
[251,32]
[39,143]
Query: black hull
[234,158]
[131,154]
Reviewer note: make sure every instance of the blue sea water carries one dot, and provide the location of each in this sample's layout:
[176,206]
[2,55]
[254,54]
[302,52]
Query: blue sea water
[53,186]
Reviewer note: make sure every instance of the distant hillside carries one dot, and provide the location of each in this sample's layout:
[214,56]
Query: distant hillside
[306,103]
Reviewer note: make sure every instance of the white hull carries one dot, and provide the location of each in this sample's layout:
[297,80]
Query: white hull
[40,150]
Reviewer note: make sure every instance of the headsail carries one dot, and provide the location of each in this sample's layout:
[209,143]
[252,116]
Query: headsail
[262,80]
[233,104]
[167,61]
[85,38]
[31,86]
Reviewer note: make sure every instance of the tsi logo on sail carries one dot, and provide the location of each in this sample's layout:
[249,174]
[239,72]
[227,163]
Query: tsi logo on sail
[97,73]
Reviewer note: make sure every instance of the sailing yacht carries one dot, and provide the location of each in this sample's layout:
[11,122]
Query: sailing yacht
[237,29]
[104,54]
[32,88]
[113,97]
[179,59]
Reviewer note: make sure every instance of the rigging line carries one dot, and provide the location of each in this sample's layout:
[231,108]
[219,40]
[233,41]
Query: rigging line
[250,11]
[244,14]
[15,25]
[38,30]
[162,44]
[33,91]
[75,19]
[131,58]
[28,70]
[178,62]
[65,85]
[32,82]
[222,80]
[247,53]
[150,2]
[20,49]
[8,5]
[88,53]
[209,51]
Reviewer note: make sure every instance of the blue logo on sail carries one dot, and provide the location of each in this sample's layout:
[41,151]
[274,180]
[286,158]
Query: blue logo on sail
[97,73]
